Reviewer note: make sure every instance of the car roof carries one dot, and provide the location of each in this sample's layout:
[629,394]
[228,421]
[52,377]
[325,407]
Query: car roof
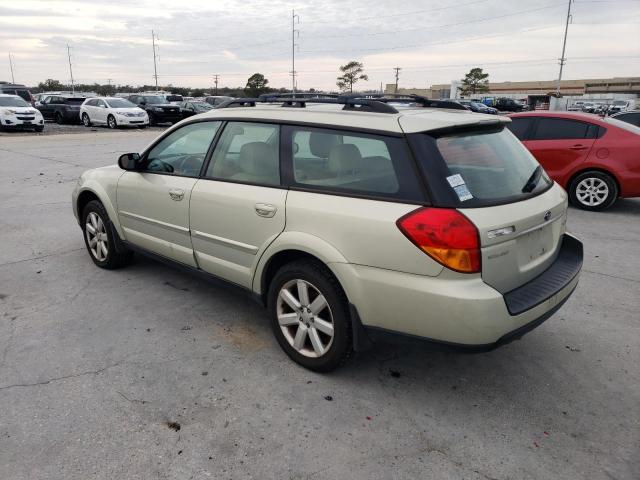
[587,117]
[407,120]
[10,95]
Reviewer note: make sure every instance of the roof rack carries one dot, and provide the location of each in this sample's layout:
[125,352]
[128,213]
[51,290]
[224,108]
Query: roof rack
[378,103]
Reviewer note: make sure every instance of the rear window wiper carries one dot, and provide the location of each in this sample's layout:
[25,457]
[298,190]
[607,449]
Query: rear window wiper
[533,180]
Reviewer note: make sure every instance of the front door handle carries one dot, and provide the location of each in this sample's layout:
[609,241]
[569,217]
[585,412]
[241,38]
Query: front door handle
[265,209]
[578,147]
[176,194]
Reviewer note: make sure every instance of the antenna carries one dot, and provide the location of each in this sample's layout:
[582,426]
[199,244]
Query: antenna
[11,67]
[397,69]
[294,19]
[562,59]
[73,88]
[155,68]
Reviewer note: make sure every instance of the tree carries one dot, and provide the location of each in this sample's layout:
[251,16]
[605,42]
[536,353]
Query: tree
[51,85]
[476,81]
[256,85]
[351,73]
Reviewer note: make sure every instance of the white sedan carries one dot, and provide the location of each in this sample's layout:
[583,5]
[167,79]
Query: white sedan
[15,113]
[113,112]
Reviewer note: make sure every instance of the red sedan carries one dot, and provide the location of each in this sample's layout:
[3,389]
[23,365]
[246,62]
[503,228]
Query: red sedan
[595,159]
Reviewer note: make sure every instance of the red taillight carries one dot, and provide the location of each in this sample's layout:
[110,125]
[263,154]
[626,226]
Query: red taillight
[445,235]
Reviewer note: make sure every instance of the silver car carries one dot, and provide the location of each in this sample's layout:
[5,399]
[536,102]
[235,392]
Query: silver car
[347,220]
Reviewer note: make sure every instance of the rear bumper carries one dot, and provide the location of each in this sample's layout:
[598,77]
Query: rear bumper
[459,310]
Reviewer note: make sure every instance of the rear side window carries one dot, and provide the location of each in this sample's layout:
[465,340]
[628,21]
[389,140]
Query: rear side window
[24,94]
[477,168]
[350,162]
[247,152]
[560,129]
[519,126]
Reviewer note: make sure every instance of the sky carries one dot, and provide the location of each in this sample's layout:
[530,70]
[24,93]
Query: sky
[433,42]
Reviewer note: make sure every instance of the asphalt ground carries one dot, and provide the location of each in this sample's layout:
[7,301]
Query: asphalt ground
[150,373]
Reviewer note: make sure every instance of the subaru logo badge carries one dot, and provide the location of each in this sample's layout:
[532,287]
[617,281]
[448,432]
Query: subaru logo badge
[547,216]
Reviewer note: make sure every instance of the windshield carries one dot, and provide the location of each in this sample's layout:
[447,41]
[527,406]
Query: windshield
[12,102]
[625,125]
[619,102]
[155,99]
[119,103]
[480,167]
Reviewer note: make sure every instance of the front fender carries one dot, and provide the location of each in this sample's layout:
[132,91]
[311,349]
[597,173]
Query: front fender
[102,183]
[300,241]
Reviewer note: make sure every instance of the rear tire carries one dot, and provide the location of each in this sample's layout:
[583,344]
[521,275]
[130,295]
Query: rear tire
[309,315]
[99,238]
[59,118]
[593,191]
[85,120]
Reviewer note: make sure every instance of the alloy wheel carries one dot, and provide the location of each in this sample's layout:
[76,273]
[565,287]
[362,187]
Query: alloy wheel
[85,120]
[305,318]
[592,192]
[97,238]
[112,122]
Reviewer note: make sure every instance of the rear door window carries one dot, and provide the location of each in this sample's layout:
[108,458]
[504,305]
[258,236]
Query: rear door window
[247,153]
[350,162]
[560,129]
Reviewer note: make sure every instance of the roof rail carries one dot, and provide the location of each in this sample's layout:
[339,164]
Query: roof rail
[378,103]
[411,98]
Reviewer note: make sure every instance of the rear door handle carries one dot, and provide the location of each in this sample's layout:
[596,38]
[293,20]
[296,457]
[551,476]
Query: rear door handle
[176,194]
[578,147]
[265,209]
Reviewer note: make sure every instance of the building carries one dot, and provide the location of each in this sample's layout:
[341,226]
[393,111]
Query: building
[540,92]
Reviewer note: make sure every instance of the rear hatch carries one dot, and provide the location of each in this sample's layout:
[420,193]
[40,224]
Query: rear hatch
[485,173]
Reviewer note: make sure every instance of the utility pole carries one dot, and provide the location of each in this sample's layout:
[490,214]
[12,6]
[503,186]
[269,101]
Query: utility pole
[109,83]
[397,69]
[215,80]
[564,46]
[73,88]
[294,18]
[11,66]
[155,68]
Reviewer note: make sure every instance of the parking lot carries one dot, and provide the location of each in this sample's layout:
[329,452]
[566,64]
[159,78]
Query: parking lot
[148,372]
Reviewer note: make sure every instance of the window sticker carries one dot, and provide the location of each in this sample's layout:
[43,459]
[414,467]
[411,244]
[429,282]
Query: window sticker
[463,192]
[455,180]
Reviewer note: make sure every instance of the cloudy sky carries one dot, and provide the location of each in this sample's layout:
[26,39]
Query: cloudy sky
[433,41]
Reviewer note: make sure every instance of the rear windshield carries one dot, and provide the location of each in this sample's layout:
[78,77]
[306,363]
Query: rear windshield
[624,125]
[74,100]
[476,168]
[155,99]
[12,102]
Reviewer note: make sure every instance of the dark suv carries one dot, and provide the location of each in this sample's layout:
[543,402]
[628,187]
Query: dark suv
[158,108]
[508,105]
[62,109]
[15,89]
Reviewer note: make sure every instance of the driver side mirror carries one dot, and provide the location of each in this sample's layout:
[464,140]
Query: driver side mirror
[129,161]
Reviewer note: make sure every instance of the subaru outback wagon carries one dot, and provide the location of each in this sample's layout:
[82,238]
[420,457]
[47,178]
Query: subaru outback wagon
[347,219]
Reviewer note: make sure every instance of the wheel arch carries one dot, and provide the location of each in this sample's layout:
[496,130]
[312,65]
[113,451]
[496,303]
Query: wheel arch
[291,246]
[584,169]
[96,192]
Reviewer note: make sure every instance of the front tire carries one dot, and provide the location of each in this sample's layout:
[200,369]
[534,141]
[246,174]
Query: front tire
[39,129]
[99,238]
[153,121]
[111,121]
[59,118]
[85,120]
[309,315]
[593,191]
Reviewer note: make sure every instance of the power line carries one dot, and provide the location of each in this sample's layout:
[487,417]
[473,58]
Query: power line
[11,67]
[294,17]
[155,68]
[397,69]
[73,88]
[564,46]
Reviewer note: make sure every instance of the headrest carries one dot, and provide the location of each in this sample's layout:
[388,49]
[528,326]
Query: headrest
[320,144]
[344,159]
[258,158]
